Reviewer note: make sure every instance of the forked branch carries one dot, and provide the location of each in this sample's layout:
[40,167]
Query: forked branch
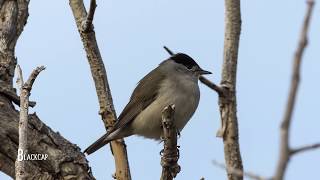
[87,24]
[25,88]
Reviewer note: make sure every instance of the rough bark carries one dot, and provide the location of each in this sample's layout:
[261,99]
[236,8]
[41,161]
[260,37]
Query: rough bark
[170,152]
[99,75]
[228,103]
[65,159]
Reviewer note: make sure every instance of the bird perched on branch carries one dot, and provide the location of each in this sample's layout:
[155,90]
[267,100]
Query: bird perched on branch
[174,81]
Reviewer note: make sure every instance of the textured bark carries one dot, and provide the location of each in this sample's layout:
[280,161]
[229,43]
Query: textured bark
[228,103]
[99,75]
[8,24]
[65,159]
[170,152]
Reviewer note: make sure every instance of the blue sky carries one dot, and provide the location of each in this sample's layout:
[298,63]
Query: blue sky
[131,35]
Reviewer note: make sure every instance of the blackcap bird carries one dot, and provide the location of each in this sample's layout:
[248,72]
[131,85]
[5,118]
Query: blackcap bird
[174,81]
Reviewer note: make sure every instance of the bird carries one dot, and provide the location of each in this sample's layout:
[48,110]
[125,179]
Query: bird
[173,82]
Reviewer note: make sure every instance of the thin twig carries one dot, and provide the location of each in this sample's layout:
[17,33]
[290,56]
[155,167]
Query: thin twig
[285,125]
[21,171]
[168,50]
[238,172]
[202,79]
[212,85]
[304,148]
[170,153]
[87,24]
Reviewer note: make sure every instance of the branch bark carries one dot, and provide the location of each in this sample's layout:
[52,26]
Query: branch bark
[305,148]
[170,152]
[99,75]
[87,24]
[228,103]
[285,151]
[65,160]
[13,96]
[213,86]
[21,170]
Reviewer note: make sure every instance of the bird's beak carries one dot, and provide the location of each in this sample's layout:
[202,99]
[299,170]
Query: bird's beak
[202,72]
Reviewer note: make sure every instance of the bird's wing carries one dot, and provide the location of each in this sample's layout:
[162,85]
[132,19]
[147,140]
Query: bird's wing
[143,95]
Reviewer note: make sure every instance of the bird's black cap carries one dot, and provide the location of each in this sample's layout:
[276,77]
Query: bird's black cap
[184,59]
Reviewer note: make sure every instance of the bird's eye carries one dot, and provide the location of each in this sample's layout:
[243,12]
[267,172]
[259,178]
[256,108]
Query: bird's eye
[192,68]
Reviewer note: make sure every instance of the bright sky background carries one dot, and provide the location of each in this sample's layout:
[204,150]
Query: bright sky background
[131,35]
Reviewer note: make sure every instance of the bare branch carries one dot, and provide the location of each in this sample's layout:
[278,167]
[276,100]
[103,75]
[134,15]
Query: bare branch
[305,148]
[228,103]
[99,75]
[212,85]
[238,172]
[170,153]
[21,170]
[168,50]
[28,85]
[19,80]
[87,24]
[285,125]
[11,95]
[202,79]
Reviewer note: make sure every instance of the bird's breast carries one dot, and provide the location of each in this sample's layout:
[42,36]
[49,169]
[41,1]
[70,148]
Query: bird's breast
[184,95]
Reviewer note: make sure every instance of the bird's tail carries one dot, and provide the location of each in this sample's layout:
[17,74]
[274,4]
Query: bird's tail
[98,144]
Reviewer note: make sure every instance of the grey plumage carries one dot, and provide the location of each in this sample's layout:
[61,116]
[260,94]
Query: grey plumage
[174,81]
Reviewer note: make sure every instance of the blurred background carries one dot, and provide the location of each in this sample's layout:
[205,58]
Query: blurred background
[131,34]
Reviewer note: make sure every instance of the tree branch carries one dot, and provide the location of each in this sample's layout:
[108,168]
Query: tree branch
[285,125]
[170,153]
[202,79]
[213,86]
[304,148]
[238,172]
[14,97]
[64,160]
[100,78]
[21,170]
[87,24]
[228,103]
[171,53]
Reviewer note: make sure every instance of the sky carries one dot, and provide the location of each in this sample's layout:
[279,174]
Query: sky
[131,34]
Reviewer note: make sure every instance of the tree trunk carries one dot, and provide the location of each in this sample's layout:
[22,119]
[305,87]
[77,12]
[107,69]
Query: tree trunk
[65,160]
